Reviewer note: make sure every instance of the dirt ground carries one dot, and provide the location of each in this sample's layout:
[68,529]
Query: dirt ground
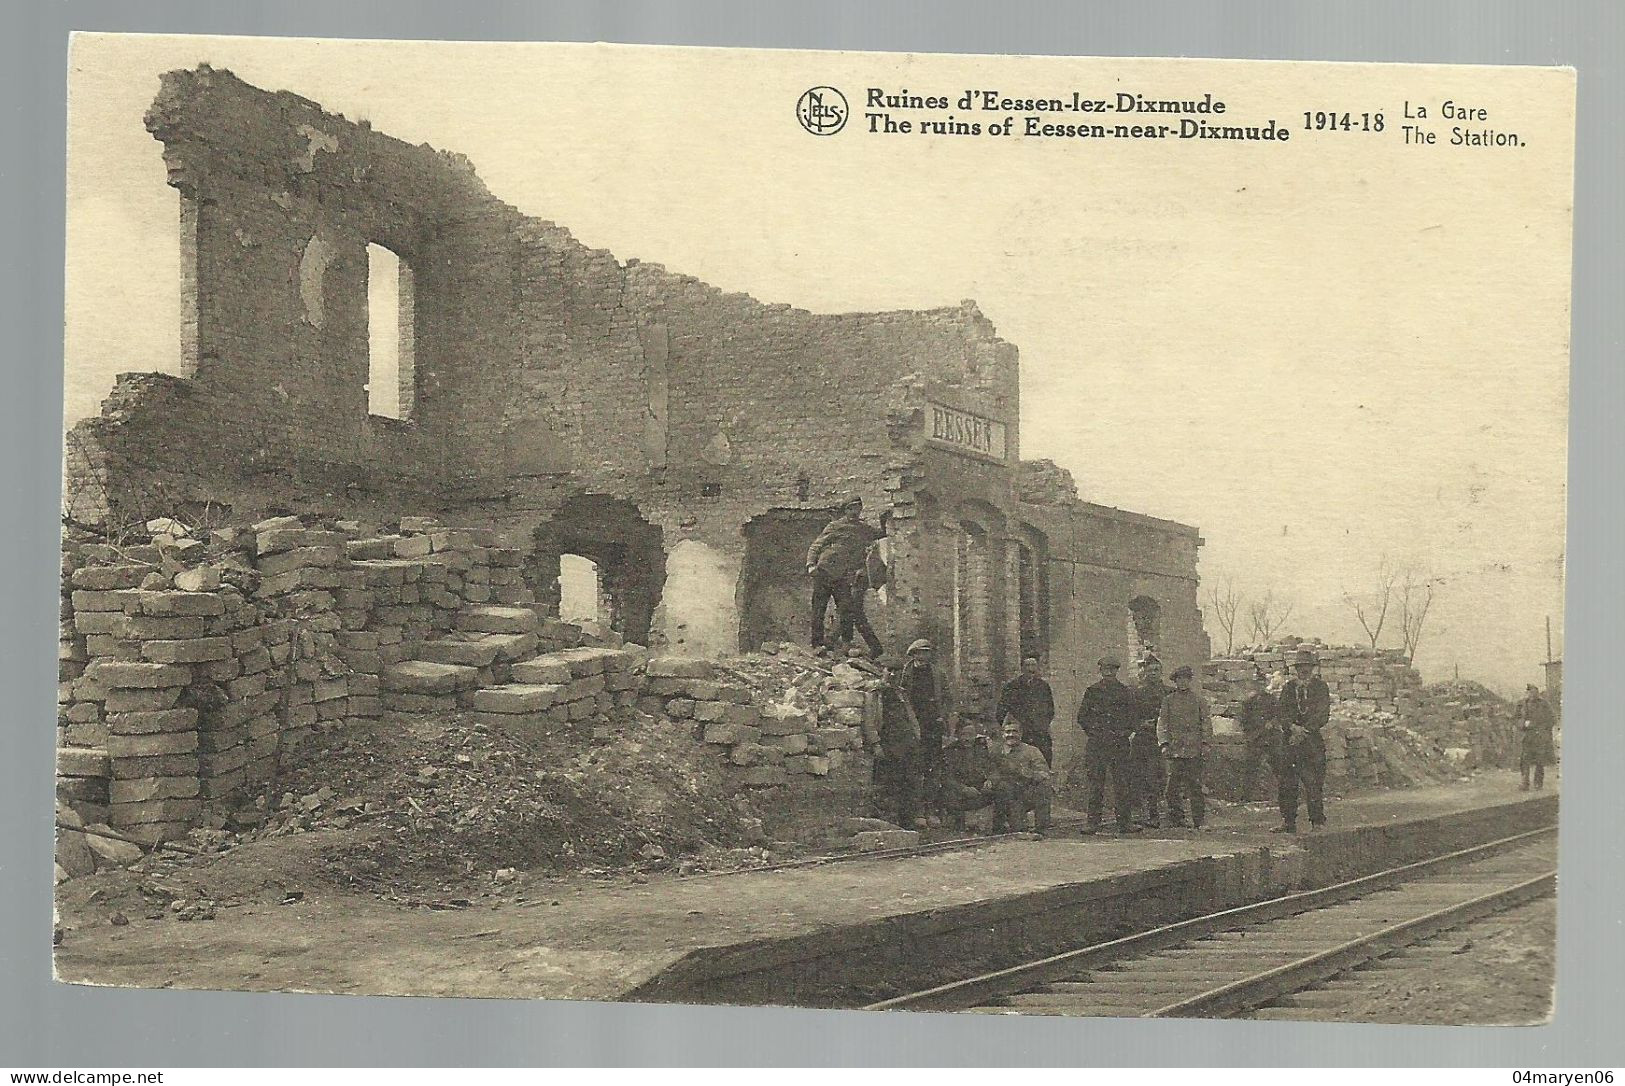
[267,916]
[1500,971]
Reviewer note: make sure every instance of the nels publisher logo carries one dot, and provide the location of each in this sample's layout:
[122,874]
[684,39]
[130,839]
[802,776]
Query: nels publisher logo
[822,111]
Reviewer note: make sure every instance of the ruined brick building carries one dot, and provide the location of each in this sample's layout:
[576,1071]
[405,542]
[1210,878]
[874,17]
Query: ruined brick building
[688,442]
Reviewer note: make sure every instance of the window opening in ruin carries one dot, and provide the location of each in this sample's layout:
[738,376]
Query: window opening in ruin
[774,594]
[391,365]
[1144,620]
[625,551]
[973,604]
[580,595]
[1032,616]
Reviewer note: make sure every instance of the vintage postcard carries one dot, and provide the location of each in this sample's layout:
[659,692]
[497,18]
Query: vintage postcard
[1003,534]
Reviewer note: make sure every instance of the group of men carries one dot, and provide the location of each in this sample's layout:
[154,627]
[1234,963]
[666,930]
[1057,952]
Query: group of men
[933,770]
[1152,741]
[1149,742]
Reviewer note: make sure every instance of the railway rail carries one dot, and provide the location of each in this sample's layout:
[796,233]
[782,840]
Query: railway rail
[1231,962]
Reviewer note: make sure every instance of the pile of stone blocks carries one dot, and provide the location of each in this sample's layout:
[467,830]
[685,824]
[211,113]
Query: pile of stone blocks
[767,744]
[186,684]
[579,691]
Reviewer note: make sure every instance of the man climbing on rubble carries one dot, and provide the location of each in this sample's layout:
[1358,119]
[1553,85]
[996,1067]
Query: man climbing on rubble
[834,561]
[1261,733]
[1184,731]
[1304,708]
[926,688]
[1535,721]
[1108,714]
[1029,699]
[1020,782]
[1147,777]
[897,750]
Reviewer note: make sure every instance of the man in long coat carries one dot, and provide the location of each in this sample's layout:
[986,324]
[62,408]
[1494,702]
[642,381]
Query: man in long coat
[1108,714]
[1304,708]
[1535,722]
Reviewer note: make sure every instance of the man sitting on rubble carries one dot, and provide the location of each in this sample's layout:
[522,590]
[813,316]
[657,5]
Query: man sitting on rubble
[835,560]
[1020,782]
[967,775]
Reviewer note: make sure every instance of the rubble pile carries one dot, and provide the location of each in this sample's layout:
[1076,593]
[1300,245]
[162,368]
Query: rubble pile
[446,797]
[776,721]
[1387,728]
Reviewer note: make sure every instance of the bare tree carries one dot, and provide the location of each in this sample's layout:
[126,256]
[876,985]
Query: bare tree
[1372,608]
[1268,614]
[1415,600]
[1225,603]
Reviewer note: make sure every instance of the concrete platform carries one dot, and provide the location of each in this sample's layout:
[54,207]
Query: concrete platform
[843,934]
[871,931]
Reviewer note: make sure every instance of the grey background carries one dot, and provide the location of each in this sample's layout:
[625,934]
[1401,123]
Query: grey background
[44,1025]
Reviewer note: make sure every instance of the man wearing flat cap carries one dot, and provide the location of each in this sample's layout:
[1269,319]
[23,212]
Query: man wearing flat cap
[1261,733]
[1147,773]
[1029,699]
[1535,723]
[926,688]
[1108,714]
[835,561]
[1304,707]
[1184,732]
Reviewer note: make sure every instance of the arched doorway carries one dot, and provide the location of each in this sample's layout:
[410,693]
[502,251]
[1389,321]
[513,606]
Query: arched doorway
[602,546]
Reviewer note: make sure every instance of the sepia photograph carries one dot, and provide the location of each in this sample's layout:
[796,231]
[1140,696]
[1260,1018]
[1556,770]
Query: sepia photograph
[996,534]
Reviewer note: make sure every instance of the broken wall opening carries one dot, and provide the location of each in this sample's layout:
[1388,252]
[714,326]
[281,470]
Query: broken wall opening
[1144,626]
[391,342]
[581,591]
[774,592]
[699,608]
[627,551]
[1031,613]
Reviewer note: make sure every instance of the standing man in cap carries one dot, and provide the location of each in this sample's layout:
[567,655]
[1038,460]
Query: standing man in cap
[1147,778]
[926,689]
[1261,732]
[834,561]
[897,749]
[1029,699]
[1108,715]
[1184,729]
[1305,707]
[1536,721]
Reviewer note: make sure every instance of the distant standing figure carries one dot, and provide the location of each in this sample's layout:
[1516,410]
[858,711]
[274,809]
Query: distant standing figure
[834,561]
[1184,729]
[1029,699]
[1304,708]
[1262,734]
[1147,778]
[1536,721]
[1020,782]
[1108,714]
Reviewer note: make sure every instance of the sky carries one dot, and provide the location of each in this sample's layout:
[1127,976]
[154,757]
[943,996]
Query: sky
[1328,354]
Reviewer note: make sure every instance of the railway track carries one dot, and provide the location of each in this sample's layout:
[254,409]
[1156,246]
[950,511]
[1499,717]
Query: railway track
[1228,963]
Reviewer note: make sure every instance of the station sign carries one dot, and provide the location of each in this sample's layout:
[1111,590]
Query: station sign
[964,432]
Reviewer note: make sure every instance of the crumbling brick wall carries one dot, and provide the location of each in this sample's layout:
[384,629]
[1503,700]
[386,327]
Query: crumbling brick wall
[544,371]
